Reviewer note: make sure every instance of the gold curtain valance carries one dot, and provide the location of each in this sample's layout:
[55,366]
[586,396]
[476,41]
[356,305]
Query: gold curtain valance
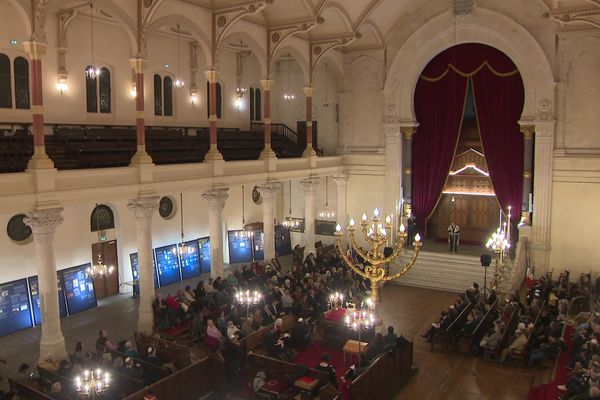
[469,74]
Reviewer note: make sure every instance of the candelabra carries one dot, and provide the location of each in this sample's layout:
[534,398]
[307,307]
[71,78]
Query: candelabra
[376,235]
[100,269]
[360,320]
[248,298]
[499,244]
[92,384]
[336,298]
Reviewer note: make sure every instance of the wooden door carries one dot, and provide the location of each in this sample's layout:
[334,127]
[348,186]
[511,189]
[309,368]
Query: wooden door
[106,286]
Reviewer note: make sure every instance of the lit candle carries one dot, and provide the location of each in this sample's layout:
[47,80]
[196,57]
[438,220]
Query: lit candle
[402,228]
[376,212]
[352,223]
[417,238]
[364,217]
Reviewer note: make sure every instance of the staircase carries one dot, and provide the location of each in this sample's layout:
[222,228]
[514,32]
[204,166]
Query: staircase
[445,271]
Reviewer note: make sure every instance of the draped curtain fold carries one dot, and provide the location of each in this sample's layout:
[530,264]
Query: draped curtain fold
[439,106]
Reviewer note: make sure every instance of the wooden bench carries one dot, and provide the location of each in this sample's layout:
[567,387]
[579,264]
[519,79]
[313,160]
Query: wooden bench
[166,350]
[123,385]
[523,355]
[495,353]
[27,392]
[449,335]
[484,326]
[153,371]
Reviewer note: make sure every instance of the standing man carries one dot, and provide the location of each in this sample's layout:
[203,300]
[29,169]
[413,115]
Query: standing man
[453,237]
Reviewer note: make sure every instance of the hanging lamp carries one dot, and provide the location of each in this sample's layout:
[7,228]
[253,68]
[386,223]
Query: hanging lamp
[92,71]
[99,268]
[178,81]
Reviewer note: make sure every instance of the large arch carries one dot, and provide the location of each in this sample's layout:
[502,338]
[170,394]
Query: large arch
[24,14]
[484,26]
[253,44]
[297,55]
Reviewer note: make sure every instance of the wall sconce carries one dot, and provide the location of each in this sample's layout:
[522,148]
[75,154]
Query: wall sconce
[133,91]
[239,101]
[61,85]
[194,95]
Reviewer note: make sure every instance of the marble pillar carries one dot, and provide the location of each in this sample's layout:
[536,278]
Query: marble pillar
[341,183]
[407,135]
[528,133]
[43,224]
[141,156]
[309,185]
[393,171]
[213,153]
[143,209]
[35,51]
[268,192]
[309,151]
[216,201]
[267,151]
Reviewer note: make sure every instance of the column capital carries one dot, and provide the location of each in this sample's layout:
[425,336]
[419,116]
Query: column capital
[269,190]
[211,75]
[216,198]
[408,131]
[143,207]
[528,131]
[44,221]
[308,91]
[138,65]
[341,180]
[544,128]
[35,50]
[266,84]
[310,183]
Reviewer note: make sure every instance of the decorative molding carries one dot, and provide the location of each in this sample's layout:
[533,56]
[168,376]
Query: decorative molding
[39,20]
[341,180]
[581,18]
[462,7]
[144,207]
[277,35]
[43,222]
[391,114]
[269,190]
[319,48]
[216,198]
[309,184]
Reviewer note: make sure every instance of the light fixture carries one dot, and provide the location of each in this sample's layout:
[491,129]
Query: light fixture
[248,298]
[288,94]
[92,71]
[336,300]
[178,81]
[289,222]
[13,42]
[326,214]
[376,234]
[499,244]
[194,95]
[133,91]
[62,85]
[360,320]
[92,383]
[243,233]
[183,249]
[326,103]
[99,268]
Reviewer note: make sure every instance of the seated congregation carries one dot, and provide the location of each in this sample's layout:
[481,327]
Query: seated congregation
[275,348]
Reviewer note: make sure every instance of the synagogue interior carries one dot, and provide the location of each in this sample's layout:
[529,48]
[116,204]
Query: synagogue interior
[299,199]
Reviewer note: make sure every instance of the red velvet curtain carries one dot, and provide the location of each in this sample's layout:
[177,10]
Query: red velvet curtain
[499,103]
[439,106]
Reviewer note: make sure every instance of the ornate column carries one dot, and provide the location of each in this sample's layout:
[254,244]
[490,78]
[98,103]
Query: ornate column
[393,164]
[309,185]
[542,189]
[216,201]
[141,156]
[268,192]
[267,151]
[43,224]
[341,183]
[213,153]
[528,133]
[309,151]
[407,134]
[143,209]
[35,51]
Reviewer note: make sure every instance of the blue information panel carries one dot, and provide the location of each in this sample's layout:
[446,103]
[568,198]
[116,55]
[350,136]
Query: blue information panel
[258,245]
[79,289]
[190,260]
[283,244]
[240,248]
[15,314]
[133,258]
[204,246]
[167,264]
[35,299]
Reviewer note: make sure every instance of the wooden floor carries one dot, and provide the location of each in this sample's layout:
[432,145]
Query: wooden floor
[410,310]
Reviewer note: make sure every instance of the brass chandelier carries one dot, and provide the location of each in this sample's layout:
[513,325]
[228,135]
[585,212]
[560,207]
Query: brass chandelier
[99,268]
[377,235]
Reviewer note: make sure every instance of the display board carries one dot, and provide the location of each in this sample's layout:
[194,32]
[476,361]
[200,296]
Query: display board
[167,265]
[258,245]
[35,299]
[133,258]
[283,243]
[325,227]
[204,247]
[15,313]
[240,248]
[79,289]
[189,259]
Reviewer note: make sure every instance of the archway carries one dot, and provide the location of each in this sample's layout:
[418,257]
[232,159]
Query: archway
[487,79]
[104,249]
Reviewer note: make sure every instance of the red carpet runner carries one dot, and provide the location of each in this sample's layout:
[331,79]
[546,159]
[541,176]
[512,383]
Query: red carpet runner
[550,391]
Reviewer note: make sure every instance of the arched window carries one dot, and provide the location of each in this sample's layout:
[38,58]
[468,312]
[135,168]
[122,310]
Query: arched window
[5,86]
[157,95]
[251,104]
[105,91]
[91,92]
[168,96]
[257,105]
[21,68]
[219,101]
[102,218]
